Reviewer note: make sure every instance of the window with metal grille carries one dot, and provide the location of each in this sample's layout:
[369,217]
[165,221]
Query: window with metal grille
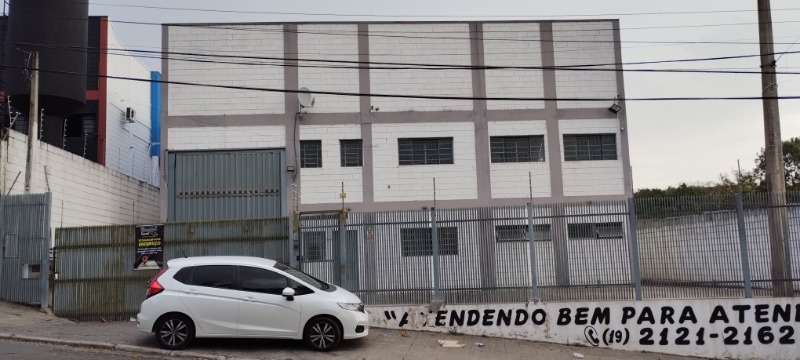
[419,241]
[590,147]
[425,151]
[313,246]
[511,149]
[610,230]
[351,152]
[311,153]
[512,233]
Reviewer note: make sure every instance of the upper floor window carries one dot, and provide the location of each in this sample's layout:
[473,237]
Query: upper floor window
[511,149]
[310,153]
[590,147]
[425,151]
[351,152]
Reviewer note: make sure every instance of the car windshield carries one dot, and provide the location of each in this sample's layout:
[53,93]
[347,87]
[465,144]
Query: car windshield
[308,279]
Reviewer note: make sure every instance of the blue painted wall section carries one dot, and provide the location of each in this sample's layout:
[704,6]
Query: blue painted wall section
[155,113]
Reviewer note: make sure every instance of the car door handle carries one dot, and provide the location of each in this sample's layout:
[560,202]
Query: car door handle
[190,292]
[249,299]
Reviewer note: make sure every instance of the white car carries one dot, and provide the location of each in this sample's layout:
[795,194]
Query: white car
[247,297]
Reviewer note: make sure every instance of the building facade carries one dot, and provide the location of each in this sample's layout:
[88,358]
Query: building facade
[244,147]
[104,130]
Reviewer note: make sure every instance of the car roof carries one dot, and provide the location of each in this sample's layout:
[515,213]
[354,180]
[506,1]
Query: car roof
[221,260]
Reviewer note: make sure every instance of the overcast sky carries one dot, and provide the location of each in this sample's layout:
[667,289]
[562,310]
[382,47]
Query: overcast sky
[671,142]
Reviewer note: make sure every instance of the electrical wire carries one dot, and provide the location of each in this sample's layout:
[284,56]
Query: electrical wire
[407,96]
[356,65]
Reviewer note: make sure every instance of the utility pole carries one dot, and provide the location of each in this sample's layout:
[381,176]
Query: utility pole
[773,155]
[33,121]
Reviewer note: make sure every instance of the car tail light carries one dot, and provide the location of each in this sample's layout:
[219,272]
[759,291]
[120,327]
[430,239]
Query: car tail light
[155,287]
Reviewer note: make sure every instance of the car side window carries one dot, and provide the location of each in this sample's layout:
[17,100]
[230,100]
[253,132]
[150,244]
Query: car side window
[184,276]
[262,281]
[216,276]
[299,289]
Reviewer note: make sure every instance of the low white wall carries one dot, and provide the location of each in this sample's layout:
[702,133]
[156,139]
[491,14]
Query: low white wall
[84,193]
[713,328]
[679,249]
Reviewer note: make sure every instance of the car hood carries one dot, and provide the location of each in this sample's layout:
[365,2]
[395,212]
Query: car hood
[341,295]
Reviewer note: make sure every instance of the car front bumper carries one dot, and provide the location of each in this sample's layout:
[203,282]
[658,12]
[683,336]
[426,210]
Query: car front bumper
[355,324]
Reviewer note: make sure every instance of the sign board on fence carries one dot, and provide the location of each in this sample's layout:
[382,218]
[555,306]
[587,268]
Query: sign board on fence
[766,328]
[149,247]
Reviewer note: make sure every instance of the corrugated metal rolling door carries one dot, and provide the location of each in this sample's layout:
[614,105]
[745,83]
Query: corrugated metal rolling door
[226,185]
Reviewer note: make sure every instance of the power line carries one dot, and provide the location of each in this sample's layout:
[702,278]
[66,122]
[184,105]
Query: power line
[424,16]
[238,27]
[405,96]
[355,65]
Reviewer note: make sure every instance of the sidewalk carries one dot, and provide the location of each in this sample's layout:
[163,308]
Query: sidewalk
[380,344]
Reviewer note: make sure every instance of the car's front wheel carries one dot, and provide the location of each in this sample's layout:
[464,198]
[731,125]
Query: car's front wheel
[322,334]
[174,331]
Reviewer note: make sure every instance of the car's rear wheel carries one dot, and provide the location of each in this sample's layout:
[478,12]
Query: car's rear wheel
[174,331]
[322,334]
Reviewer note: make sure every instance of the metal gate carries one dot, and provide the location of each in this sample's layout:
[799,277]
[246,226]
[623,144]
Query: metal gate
[322,252]
[25,260]
[227,185]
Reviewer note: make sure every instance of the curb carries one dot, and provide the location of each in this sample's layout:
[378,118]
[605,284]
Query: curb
[119,347]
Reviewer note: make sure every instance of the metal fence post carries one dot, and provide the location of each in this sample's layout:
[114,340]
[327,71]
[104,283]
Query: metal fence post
[437,291]
[44,268]
[745,253]
[534,266]
[636,274]
[342,248]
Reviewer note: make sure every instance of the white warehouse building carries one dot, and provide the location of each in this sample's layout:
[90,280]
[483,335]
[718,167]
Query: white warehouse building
[243,147]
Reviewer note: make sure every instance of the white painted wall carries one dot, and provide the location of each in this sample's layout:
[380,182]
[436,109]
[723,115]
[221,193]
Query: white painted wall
[516,44]
[585,43]
[329,42]
[220,138]
[233,40]
[510,180]
[84,193]
[558,323]
[426,44]
[323,185]
[678,249]
[583,178]
[128,144]
[393,182]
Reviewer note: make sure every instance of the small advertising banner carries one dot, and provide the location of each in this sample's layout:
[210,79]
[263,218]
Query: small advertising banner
[149,247]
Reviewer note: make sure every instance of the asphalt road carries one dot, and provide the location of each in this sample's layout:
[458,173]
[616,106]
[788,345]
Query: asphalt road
[14,350]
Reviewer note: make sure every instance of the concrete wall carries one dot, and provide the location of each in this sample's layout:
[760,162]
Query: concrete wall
[128,144]
[323,185]
[679,249]
[713,328]
[84,193]
[598,177]
[384,185]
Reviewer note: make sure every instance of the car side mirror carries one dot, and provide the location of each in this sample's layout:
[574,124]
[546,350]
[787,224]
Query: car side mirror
[288,293]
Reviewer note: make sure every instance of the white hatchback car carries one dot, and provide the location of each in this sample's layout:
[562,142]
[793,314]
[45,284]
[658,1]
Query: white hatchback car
[247,297]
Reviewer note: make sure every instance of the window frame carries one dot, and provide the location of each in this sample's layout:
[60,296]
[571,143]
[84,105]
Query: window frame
[576,151]
[307,162]
[537,228]
[419,151]
[593,230]
[448,241]
[499,147]
[343,155]
[320,241]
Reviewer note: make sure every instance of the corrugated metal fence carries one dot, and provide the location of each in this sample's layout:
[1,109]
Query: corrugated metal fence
[24,259]
[94,274]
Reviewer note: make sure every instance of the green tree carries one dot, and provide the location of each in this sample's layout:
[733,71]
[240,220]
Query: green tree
[791,163]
